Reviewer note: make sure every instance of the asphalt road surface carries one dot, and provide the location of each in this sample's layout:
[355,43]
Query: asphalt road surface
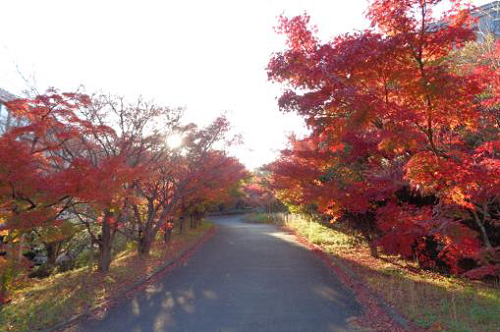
[248,277]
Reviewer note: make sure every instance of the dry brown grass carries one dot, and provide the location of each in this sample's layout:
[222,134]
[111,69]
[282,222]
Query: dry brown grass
[39,304]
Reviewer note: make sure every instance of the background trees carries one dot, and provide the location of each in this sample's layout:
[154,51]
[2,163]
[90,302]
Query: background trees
[101,166]
[404,135]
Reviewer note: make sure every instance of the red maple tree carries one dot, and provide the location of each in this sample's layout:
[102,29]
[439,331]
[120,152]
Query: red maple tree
[403,141]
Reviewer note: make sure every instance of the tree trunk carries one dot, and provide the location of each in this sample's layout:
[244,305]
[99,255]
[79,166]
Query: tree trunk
[482,229]
[105,242]
[104,257]
[21,248]
[144,246]
[181,225]
[373,249]
[4,296]
[167,236]
[51,253]
[4,275]
[371,243]
[91,258]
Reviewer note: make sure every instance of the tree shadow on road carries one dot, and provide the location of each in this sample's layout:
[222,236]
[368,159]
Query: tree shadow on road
[247,278]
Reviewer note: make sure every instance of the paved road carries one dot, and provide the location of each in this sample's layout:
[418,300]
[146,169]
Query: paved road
[248,277]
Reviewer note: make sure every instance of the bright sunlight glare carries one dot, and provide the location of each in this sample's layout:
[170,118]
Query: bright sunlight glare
[206,56]
[174,141]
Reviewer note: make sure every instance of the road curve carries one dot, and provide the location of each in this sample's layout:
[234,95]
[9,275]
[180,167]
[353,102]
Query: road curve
[248,277]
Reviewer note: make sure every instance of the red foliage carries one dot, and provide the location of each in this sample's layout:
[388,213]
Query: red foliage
[403,227]
[257,193]
[42,168]
[104,162]
[388,110]
[484,271]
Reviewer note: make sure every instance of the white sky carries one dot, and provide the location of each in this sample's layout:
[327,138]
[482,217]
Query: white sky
[208,55]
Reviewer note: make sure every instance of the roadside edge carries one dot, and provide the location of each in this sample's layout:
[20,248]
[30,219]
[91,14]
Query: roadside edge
[366,297]
[182,255]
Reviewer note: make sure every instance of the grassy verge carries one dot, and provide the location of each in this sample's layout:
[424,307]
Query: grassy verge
[44,303]
[261,218]
[429,300]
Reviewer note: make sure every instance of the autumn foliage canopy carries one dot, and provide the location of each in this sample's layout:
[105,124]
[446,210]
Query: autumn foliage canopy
[404,142]
[102,165]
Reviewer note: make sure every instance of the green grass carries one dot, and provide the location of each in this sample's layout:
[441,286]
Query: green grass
[430,300]
[259,218]
[333,238]
[40,304]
